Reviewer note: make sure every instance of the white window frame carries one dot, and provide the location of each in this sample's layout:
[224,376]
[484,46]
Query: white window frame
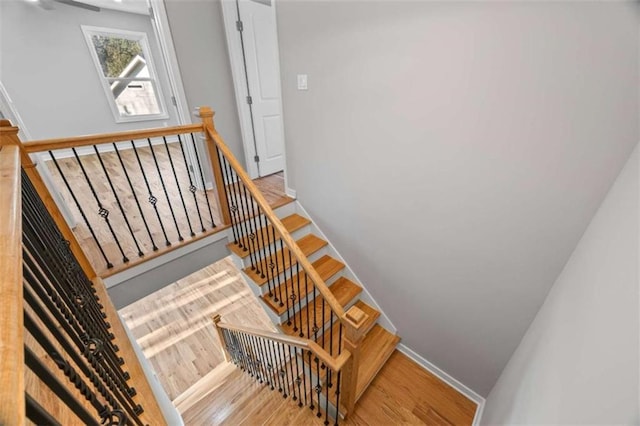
[141,38]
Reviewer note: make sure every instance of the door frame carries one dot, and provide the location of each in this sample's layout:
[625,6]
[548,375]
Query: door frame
[230,16]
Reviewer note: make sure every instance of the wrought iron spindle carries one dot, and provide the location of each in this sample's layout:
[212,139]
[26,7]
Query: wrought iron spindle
[192,187]
[326,400]
[253,255]
[135,196]
[306,290]
[311,389]
[175,176]
[60,390]
[301,334]
[230,200]
[37,413]
[298,380]
[102,212]
[153,200]
[275,268]
[81,210]
[286,286]
[164,189]
[267,251]
[260,243]
[284,372]
[206,196]
[276,364]
[293,296]
[115,195]
[318,387]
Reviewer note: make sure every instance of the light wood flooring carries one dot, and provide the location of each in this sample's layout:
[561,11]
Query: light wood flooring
[193,220]
[174,329]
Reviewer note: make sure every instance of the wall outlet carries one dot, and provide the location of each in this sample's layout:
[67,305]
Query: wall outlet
[302,82]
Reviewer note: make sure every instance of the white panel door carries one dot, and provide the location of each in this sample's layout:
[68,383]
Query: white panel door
[261,56]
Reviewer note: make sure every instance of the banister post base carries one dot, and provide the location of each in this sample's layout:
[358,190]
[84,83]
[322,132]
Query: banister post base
[354,320]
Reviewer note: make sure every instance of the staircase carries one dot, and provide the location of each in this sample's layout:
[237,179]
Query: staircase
[332,341]
[298,319]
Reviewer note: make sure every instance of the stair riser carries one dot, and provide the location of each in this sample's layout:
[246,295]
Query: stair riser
[303,302]
[264,289]
[270,248]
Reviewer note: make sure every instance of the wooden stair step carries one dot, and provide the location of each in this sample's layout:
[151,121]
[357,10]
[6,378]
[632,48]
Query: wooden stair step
[326,267]
[266,235]
[377,347]
[344,290]
[309,244]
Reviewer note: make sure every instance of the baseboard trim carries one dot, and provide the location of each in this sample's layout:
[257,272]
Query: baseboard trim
[447,378]
[290,192]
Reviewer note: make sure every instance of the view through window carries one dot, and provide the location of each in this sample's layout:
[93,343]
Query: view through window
[125,67]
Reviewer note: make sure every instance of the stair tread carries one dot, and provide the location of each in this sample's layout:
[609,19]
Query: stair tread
[292,223]
[377,347]
[326,267]
[344,290]
[309,244]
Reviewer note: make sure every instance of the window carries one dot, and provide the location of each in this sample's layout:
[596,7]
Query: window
[125,67]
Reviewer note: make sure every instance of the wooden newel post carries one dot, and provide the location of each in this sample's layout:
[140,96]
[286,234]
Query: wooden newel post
[352,342]
[216,319]
[206,115]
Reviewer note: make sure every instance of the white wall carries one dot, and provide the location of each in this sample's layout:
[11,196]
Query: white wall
[578,362]
[46,67]
[454,153]
[199,39]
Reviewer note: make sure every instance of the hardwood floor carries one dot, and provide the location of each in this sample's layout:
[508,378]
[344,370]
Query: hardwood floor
[192,221]
[175,332]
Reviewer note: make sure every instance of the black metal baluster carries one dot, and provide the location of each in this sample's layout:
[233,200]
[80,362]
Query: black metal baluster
[330,331]
[104,213]
[298,380]
[135,196]
[322,326]
[84,216]
[318,387]
[153,200]
[204,189]
[192,187]
[283,372]
[251,235]
[250,357]
[243,353]
[275,265]
[115,195]
[338,388]
[47,377]
[233,208]
[265,361]
[275,363]
[175,176]
[37,414]
[293,296]
[311,388]
[301,334]
[68,370]
[290,365]
[267,252]
[306,289]
[286,286]
[96,362]
[255,218]
[164,188]
[326,402]
[243,234]
[257,358]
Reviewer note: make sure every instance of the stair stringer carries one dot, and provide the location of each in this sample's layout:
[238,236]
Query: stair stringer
[365,296]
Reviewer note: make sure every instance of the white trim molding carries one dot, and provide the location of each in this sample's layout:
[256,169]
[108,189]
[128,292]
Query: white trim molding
[447,378]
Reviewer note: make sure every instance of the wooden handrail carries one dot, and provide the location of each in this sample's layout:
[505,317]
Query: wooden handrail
[12,385]
[335,364]
[79,141]
[276,223]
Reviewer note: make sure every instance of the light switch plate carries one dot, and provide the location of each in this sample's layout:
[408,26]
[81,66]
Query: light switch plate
[302,82]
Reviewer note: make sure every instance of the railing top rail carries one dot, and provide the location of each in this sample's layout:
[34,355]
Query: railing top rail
[275,221]
[12,402]
[335,364]
[88,140]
